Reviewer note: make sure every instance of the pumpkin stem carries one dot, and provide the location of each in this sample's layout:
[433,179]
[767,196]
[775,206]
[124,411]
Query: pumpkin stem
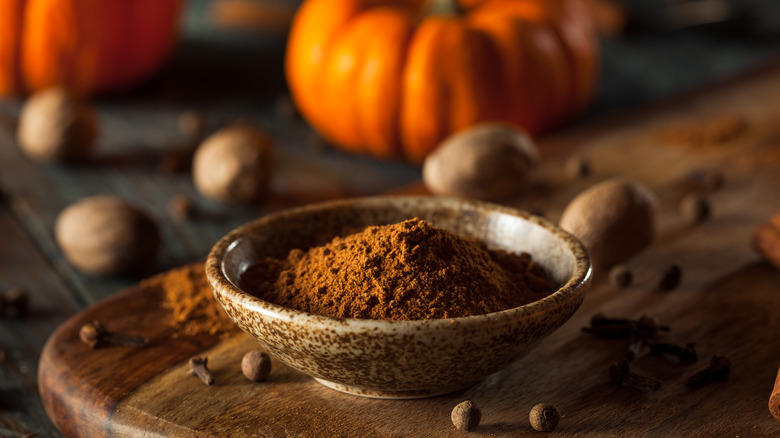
[449,8]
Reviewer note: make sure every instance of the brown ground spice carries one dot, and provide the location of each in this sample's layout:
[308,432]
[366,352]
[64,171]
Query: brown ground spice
[406,271]
[708,133]
[187,295]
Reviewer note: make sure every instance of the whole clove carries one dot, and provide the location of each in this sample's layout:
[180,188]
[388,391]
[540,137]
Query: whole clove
[199,367]
[621,328]
[650,327]
[681,354]
[620,373]
[96,336]
[718,371]
[636,341]
[578,167]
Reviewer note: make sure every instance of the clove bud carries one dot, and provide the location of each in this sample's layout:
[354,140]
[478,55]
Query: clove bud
[682,354]
[718,371]
[620,373]
[199,367]
[96,336]
[636,341]
[620,328]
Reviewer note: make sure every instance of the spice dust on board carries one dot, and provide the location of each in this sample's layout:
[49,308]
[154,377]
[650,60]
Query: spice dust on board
[188,297]
[709,133]
[405,271]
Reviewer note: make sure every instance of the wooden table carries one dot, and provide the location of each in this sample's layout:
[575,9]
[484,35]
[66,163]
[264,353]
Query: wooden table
[137,128]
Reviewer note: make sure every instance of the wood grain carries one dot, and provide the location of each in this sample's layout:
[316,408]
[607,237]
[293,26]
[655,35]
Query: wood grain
[727,304]
[23,265]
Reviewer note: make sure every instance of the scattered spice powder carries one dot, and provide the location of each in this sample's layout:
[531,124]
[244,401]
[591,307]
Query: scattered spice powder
[405,271]
[189,299]
[708,133]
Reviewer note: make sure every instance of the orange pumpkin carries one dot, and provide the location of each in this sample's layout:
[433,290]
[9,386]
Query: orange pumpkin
[90,46]
[393,78]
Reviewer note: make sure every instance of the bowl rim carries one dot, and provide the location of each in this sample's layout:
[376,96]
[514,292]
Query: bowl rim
[580,278]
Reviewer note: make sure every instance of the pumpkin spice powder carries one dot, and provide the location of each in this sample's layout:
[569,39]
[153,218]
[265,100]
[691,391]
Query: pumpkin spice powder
[188,298]
[406,271]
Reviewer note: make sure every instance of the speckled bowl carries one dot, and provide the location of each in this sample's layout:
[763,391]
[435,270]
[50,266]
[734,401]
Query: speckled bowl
[399,359]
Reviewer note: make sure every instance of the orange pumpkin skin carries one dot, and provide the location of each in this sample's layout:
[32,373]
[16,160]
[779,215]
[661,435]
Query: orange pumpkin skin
[89,46]
[384,78]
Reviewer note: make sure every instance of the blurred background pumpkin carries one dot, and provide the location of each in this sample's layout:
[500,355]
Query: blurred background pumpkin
[89,46]
[392,79]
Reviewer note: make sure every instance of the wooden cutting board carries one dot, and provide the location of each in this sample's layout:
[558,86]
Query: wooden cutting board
[728,304]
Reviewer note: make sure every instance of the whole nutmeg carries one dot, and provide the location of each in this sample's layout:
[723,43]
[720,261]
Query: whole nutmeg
[614,219]
[105,235]
[489,161]
[234,165]
[465,416]
[766,240]
[256,365]
[55,125]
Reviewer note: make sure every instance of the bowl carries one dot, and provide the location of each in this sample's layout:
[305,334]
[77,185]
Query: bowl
[399,359]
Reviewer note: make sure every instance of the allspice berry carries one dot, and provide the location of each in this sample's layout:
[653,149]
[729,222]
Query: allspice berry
[671,278]
[256,365]
[105,235]
[490,161]
[234,165]
[621,276]
[544,417]
[55,125]
[466,416]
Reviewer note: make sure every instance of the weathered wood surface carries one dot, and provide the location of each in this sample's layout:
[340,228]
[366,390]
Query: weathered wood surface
[231,74]
[727,304]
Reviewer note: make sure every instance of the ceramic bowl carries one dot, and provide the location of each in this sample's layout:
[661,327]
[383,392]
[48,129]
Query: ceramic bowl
[399,359]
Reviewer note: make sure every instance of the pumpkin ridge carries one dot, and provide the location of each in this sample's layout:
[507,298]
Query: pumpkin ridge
[307,91]
[346,45]
[519,67]
[62,42]
[419,129]
[386,144]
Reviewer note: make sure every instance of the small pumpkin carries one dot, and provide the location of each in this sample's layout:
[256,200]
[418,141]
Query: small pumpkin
[394,78]
[89,46]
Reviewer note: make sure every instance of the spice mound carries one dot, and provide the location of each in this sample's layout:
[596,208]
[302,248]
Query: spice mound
[187,295]
[405,271]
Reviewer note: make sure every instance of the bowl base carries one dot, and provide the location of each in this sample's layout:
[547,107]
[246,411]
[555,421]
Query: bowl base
[390,394]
